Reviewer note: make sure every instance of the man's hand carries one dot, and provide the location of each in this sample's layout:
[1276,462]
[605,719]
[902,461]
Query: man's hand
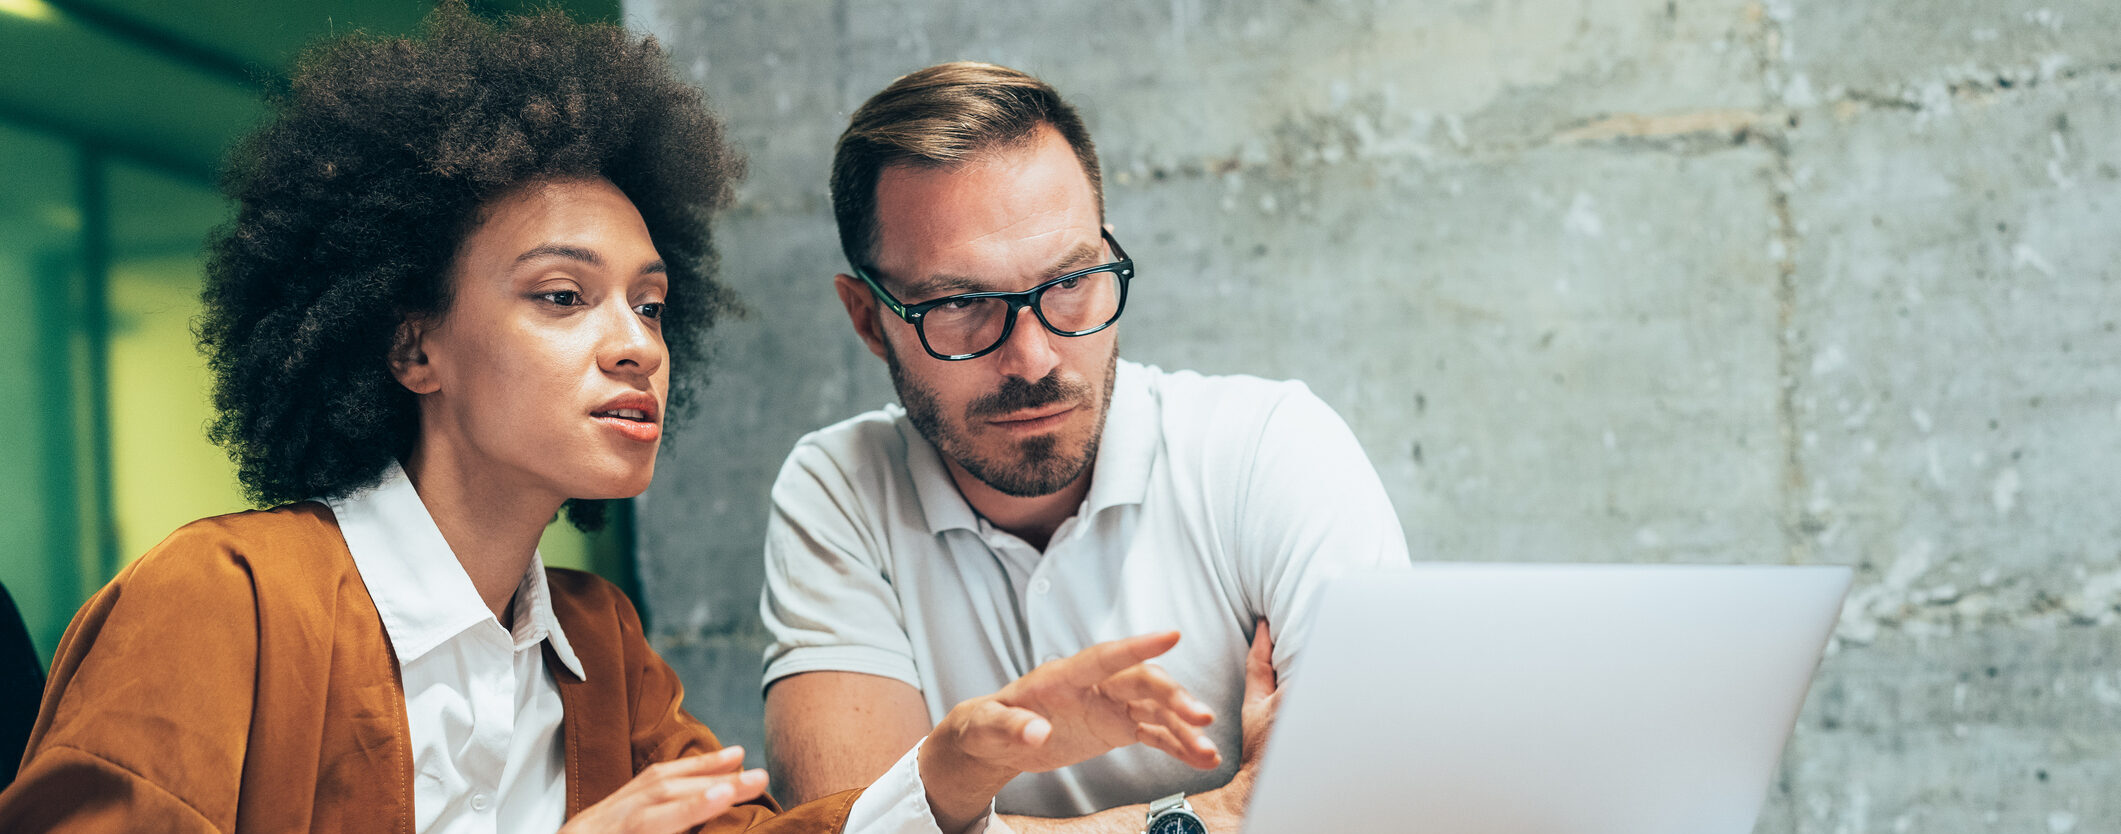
[1224,808]
[1061,713]
[673,796]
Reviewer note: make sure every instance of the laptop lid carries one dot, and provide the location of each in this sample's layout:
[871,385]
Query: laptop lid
[1543,699]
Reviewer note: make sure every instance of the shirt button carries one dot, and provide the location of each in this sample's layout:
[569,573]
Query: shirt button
[1049,658]
[1041,585]
[480,802]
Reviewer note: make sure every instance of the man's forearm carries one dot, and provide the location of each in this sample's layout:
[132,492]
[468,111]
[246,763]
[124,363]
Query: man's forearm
[1220,815]
[830,731]
[1123,820]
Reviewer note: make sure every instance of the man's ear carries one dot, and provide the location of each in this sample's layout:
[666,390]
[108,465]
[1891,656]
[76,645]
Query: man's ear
[862,310]
[408,358]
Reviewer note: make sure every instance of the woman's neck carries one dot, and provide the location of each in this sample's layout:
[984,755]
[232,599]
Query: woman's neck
[491,526]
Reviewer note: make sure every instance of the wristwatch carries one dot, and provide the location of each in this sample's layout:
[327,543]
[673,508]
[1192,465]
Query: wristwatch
[1174,815]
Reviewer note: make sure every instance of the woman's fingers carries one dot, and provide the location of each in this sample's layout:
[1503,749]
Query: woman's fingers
[675,795]
[726,760]
[678,804]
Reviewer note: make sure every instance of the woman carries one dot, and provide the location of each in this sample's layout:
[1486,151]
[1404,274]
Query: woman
[461,271]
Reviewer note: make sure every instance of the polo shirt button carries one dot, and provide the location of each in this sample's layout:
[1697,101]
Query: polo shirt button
[1049,658]
[1041,585]
[480,802]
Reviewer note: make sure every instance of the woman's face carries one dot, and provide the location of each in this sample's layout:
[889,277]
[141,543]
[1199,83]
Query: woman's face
[548,373]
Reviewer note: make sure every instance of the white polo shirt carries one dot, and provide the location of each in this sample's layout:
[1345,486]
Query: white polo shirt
[1214,501]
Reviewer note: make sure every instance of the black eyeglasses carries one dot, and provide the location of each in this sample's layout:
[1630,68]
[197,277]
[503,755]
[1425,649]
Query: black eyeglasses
[972,325]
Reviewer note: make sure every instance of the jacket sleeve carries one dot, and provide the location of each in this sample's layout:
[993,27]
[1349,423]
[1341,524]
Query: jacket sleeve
[66,789]
[145,721]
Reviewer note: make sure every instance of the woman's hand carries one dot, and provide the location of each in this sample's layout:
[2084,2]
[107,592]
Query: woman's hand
[673,796]
[1059,714]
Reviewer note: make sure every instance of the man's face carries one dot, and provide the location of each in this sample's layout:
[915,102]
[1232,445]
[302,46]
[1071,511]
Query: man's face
[1026,418]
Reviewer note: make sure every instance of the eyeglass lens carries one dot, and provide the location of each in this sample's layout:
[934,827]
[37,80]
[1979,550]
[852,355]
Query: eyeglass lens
[1072,306]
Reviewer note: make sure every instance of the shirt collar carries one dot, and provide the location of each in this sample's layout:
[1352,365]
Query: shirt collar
[420,590]
[1126,453]
[535,620]
[941,503]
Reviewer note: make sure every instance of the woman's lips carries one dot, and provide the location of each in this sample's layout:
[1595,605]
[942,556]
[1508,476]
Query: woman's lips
[633,429]
[633,415]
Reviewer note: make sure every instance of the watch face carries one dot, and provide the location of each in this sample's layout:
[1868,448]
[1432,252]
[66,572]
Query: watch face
[1177,824]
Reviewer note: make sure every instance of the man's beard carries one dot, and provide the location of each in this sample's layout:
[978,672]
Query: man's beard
[1033,467]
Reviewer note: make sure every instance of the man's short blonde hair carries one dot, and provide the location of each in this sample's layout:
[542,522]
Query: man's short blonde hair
[943,116]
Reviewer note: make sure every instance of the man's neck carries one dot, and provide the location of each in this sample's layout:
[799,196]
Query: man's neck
[1032,519]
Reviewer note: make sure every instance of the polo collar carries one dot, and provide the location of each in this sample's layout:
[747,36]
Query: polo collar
[1126,454]
[419,588]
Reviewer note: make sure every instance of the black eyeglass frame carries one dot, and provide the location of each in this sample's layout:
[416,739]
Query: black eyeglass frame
[912,313]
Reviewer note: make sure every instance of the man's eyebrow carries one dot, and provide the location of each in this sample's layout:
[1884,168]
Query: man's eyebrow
[1083,255]
[934,285]
[585,255]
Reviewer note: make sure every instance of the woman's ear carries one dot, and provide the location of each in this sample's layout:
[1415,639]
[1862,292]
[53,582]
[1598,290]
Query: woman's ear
[408,358]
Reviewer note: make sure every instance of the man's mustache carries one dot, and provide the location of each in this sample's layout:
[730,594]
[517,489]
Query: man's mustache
[1017,395]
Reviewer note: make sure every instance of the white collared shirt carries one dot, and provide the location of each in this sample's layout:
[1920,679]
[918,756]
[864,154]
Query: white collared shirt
[1214,501]
[482,707]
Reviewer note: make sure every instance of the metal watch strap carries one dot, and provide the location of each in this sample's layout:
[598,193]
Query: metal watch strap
[1173,803]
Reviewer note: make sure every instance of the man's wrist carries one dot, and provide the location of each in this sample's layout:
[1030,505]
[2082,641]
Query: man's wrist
[1209,805]
[960,788]
[1221,809]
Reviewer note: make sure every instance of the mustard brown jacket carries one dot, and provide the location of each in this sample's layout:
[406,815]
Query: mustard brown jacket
[238,679]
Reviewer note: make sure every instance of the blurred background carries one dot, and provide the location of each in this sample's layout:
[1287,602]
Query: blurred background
[1759,281]
[114,119]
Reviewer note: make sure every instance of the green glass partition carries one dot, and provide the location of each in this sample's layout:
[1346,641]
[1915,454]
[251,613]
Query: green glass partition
[46,554]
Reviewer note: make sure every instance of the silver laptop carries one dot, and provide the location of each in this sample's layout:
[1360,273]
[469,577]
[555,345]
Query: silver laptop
[1545,699]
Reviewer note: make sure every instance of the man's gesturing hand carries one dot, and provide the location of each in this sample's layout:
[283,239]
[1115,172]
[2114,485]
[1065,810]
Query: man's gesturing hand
[1061,713]
[673,796]
[1079,707]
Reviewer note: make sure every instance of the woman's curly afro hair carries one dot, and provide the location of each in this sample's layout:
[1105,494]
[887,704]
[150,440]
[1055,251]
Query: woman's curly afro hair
[354,195]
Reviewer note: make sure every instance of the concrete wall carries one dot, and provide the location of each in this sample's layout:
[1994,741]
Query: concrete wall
[1815,281]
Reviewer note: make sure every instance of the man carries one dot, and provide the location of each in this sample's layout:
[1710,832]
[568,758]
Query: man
[1034,493]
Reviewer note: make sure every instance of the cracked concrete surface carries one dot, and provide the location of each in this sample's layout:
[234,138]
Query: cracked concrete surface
[1605,280]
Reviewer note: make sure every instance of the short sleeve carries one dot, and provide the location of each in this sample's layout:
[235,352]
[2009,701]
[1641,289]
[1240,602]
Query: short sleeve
[1311,508]
[828,601]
